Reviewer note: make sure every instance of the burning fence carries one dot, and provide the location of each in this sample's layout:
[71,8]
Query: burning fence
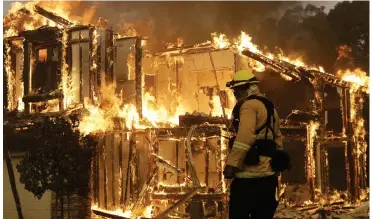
[155,153]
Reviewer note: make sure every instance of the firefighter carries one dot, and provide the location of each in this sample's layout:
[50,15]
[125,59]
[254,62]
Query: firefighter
[253,191]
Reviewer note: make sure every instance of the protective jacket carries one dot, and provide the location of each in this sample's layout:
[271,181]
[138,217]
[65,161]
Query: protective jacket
[253,116]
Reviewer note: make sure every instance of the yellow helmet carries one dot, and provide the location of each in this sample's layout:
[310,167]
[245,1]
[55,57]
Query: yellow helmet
[242,77]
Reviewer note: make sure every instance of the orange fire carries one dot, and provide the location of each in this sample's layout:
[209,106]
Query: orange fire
[311,135]
[244,42]
[220,41]
[357,78]
[359,84]
[10,75]
[100,117]
[216,106]
[17,21]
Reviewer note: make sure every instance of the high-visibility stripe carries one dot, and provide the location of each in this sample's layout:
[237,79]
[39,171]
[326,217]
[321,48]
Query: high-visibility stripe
[246,174]
[241,146]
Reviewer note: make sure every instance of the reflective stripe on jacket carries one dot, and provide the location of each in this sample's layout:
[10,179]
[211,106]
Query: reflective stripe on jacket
[253,115]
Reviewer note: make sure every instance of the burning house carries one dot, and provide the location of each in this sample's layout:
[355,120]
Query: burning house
[160,120]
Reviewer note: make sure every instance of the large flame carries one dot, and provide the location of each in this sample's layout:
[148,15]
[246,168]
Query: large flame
[101,117]
[220,41]
[23,16]
[357,78]
[244,42]
[359,83]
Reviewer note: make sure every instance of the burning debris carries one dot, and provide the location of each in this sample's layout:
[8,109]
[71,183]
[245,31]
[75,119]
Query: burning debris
[110,80]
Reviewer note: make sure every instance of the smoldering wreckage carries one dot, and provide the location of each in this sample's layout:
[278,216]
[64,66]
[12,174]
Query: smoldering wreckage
[160,119]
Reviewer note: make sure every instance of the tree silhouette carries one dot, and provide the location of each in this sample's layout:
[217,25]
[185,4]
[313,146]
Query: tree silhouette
[58,160]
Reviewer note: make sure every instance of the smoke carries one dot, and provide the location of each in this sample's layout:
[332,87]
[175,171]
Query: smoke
[192,21]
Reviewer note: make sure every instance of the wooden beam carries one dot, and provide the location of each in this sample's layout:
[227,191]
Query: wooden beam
[113,171]
[52,16]
[120,163]
[191,164]
[171,167]
[105,175]
[144,189]
[138,76]
[185,198]
[32,98]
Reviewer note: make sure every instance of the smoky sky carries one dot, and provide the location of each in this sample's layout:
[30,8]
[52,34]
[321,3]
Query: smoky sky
[190,20]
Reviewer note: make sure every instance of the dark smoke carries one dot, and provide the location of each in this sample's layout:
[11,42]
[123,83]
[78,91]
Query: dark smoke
[191,21]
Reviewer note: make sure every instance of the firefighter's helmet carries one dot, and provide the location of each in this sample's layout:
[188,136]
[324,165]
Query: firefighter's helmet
[242,77]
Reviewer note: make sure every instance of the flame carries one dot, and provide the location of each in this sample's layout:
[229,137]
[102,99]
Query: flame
[100,117]
[216,106]
[21,104]
[244,42]
[310,161]
[357,78]
[47,106]
[126,214]
[155,113]
[359,84]
[10,74]
[65,84]
[220,41]
[148,211]
[17,21]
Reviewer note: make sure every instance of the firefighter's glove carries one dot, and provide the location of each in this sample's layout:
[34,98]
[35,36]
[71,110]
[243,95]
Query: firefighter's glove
[229,171]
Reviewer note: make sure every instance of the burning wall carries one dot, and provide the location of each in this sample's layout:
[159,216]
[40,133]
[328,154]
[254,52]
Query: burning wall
[123,88]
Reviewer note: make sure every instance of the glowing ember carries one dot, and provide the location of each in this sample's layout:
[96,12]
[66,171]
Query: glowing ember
[126,214]
[286,77]
[21,104]
[148,211]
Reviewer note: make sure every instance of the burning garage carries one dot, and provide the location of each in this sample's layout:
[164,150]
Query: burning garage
[158,122]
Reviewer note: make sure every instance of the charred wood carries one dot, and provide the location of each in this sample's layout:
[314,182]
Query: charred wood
[178,196]
[32,98]
[302,117]
[183,200]
[191,164]
[189,120]
[138,75]
[42,34]
[52,16]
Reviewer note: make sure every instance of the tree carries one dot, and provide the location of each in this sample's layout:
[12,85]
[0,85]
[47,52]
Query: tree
[350,22]
[305,32]
[60,162]
[318,38]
